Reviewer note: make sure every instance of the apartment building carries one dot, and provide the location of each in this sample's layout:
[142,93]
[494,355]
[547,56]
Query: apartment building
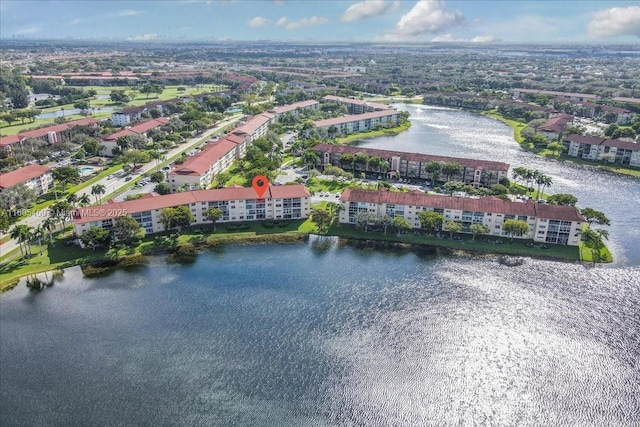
[36,177]
[547,223]
[357,106]
[413,165]
[356,123]
[198,171]
[606,150]
[236,204]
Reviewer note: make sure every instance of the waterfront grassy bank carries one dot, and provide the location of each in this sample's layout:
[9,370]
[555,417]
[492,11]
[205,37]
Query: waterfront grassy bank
[185,245]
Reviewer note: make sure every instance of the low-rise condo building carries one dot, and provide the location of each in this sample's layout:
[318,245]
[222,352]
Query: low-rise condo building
[396,164]
[236,203]
[605,150]
[198,171]
[36,177]
[346,125]
[357,106]
[547,223]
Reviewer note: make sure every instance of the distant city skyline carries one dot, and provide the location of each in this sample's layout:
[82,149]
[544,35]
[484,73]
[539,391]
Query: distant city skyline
[325,21]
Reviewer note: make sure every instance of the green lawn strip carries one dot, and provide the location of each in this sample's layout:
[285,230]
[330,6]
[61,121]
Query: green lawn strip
[517,248]
[18,128]
[627,170]
[374,133]
[515,125]
[60,256]
[587,254]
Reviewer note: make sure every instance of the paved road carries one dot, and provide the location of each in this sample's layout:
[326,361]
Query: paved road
[115,183]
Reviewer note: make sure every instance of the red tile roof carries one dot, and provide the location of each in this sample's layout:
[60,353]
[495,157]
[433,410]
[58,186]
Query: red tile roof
[24,174]
[415,157]
[355,118]
[8,140]
[484,204]
[138,129]
[625,145]
[94,213]
[582,139]
[302,104]
[254,124]
[374,105]
[201,162]
[556,124]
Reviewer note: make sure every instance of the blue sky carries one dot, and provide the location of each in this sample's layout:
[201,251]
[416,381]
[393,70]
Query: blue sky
[330,20]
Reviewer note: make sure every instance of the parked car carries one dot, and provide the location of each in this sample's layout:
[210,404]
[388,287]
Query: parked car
[129,178]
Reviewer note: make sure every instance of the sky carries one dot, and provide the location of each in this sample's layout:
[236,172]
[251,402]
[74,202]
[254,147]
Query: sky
[476,21]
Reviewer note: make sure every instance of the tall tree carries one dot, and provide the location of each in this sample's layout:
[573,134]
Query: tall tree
[452,227]
[321,218]
[452,169]
[477,229]
[95,236]
[514,227]
[127,230]
[594,217]
[65,175]
[430,220]
[22,233]
[97,191]
[213,215]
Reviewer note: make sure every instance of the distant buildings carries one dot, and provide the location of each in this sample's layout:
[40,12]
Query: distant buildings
[109,142]
[49,134]
[413,165]
[606,150]
[346,125]
[294,108]
[357,106]
[236,203]
[36,177]
[547,223]
[554,127]
[579,97]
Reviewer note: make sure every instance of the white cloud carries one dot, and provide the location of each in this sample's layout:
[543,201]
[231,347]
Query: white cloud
[258,21]
[74,21]
[304,22]
[447,38]
[618,21]
[129,12]
[484,39]
[426,17]
[143,37]
[368,9]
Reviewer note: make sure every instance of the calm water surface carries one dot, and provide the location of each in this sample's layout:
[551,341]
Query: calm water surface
[322,334]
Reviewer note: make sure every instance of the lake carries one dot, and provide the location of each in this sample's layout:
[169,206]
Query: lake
[326,334]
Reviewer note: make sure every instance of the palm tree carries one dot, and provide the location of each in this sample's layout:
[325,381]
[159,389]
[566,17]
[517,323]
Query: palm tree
[84,200]
[72,199]
[98,190]
[542,181]
[213,215]
[22,233]
[49,224]
[38,233]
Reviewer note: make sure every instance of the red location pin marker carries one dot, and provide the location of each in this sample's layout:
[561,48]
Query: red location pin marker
[260,184]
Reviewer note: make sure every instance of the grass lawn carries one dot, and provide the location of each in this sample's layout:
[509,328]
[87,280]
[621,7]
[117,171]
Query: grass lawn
[59,256]
[517,248]
[374,133]
[515,125]
[19,127]
[587,254]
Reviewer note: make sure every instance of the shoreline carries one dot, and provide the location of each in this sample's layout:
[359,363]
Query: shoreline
[188,251]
